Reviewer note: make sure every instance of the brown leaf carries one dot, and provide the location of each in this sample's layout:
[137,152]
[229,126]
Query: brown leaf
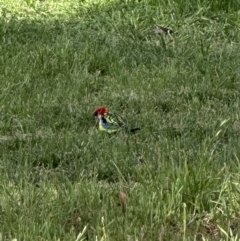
[123,200]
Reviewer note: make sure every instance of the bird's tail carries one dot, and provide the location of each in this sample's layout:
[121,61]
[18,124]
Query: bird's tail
[133,130]
[122,123]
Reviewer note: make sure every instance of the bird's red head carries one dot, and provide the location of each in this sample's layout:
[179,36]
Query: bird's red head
[101,111]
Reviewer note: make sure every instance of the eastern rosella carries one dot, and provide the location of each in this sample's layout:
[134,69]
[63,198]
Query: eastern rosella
[110,122]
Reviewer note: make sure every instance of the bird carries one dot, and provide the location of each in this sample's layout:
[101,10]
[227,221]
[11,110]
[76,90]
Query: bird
[161,29]
[110,122]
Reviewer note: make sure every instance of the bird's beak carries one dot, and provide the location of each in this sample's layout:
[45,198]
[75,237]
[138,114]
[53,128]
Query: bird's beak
[97,121]
[98,118]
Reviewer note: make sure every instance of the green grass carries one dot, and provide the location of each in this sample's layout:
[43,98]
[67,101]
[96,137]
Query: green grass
[60,178]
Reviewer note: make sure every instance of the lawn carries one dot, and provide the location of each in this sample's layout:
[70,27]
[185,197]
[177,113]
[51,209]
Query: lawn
[177,178]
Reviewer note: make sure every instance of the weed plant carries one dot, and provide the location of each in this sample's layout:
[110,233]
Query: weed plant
[60,178]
